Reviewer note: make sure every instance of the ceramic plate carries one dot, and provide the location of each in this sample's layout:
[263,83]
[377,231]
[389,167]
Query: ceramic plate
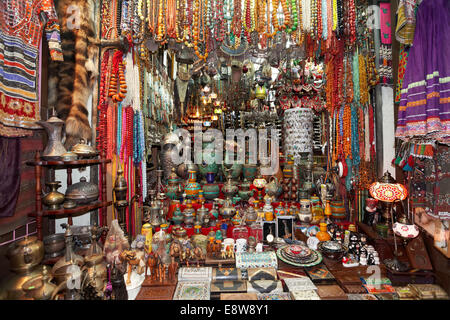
[316,254]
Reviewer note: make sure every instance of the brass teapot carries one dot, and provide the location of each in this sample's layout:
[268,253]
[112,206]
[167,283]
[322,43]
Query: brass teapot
[25,254]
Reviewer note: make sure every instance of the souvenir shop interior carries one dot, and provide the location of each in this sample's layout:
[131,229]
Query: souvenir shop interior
[224,149]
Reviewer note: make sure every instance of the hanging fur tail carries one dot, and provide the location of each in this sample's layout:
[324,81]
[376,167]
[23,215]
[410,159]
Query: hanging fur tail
[71,81]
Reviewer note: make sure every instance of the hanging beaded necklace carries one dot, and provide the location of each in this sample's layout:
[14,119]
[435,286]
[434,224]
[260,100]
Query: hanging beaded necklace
[335,15]
[161,33]
[329,22]
[219,30]
[352,21]
[361,132]
[171,19]
[324,10]
[118,87]
[101,140]
[198,22]
[286,14]
[306,7]
[355,71]
[355,136]
[340,19]
[319,18]
[236,23]
[347,132]
[210,22]
[179,22]
[294,26]
[363,87]
[248,21]
[300,23]
[313,18]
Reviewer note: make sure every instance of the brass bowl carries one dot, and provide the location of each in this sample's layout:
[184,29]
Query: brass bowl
[54,243]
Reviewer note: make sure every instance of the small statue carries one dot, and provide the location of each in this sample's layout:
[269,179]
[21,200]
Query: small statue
[251,244]
[172,270]
[217,248]
[118,287]
[353,241]
[363,259]
[349,261]
[197,254]
[153,262]
[370,212]
[175,250]
[130,257]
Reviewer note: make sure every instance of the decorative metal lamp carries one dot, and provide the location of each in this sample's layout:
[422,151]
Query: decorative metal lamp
[387,191]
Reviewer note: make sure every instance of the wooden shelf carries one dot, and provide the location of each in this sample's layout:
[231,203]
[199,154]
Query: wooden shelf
[73,211]
[40,212]
[75,163]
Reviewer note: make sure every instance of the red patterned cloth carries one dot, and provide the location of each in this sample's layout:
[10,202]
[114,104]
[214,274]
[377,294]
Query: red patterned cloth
[22,23]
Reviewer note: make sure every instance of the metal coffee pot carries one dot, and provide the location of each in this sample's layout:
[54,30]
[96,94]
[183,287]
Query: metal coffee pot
[54,148]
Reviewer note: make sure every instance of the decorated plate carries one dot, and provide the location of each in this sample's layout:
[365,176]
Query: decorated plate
[305,260]
[316,257]
[297,250]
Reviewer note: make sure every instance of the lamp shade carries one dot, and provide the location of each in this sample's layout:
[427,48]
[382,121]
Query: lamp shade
[259,182]
[388,192]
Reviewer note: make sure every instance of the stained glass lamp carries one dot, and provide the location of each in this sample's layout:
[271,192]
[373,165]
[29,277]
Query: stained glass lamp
[388,191]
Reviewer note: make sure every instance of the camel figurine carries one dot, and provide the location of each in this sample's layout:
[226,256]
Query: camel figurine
[172,269]
[186,254]
[197,254]
[161,272]
[229,251]
[217,248]
[132,260]
[175,250]
[153,262]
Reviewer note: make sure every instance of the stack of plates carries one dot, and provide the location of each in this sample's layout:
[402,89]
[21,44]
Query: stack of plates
[299,255]
[331,249]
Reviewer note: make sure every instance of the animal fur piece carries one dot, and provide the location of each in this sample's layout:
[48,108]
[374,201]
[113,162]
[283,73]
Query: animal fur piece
[71,81]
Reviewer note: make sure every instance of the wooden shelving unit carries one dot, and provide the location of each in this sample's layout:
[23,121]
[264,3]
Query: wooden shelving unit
[101,204]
